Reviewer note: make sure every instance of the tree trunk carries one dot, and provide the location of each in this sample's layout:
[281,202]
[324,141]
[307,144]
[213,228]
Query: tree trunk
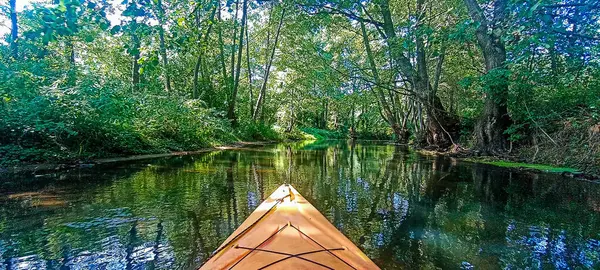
[162,47]
[292,122]
[135,66]
[250,87]
[388,114]
[262,91]
[438,68]
[165,61]
[236,83]
[233,44]
[263,88]
[199,61]
[441,125]
[221,45]
[325,113]
[14,31]
[195,94]
[438,120]
[71,47]
[494,120]
[353,121]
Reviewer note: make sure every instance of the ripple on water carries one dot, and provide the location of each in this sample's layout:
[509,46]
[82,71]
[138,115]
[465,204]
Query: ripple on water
[539,246]
[393,204]
[24,262]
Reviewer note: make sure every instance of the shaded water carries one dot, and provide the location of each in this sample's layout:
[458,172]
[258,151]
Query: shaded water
[404,210]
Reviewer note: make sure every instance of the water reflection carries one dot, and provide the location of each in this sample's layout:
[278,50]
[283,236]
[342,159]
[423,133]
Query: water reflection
[402,209]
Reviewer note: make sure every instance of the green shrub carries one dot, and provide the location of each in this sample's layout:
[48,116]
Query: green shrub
[250,130]
[94,117]
[322,134]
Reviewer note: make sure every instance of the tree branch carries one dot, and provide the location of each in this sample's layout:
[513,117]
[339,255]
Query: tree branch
[332,10]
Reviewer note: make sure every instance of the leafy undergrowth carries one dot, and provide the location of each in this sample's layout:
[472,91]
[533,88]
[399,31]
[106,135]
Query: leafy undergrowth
[256,131]
[60,123]
[574,143]
[297,135]
[323,134]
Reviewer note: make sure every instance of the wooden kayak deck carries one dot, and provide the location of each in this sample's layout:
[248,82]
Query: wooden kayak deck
[287,232]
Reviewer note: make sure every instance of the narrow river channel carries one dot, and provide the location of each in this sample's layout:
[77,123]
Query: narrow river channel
[403,209]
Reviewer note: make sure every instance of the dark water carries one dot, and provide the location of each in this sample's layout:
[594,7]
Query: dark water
[402,209]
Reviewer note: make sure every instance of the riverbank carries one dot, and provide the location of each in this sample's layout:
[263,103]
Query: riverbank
[87,163]
[516,163]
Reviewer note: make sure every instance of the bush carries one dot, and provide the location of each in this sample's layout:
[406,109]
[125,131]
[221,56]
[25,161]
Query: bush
[575,144]
[93,117]
[250,130]
[322,134]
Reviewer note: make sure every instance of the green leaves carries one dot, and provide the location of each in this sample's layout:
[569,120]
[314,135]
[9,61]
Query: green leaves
[319,71]
[494,81]
[115,29]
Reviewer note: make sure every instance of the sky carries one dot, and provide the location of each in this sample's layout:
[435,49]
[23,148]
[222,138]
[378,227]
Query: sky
[24,4]
[4,20]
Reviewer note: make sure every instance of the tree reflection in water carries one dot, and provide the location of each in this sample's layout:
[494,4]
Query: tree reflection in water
[402,209]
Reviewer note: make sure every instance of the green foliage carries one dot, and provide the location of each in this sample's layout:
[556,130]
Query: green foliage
[515,132]
[297,135]
[257,131]
[493,81]
[94,118]
[82,85]
[322,134]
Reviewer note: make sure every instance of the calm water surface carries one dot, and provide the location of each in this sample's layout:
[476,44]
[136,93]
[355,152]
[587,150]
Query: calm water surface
[402,209]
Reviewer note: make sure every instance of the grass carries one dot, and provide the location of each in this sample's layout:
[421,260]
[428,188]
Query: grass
[510,164]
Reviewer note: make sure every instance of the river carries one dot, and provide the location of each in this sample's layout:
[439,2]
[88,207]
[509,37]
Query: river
[402,209]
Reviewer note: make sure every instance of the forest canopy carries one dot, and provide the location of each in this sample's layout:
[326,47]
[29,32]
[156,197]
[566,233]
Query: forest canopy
[87,78]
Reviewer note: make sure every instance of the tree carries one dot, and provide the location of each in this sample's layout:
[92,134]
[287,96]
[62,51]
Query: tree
[160,15]
[494,119]
[200,60]
[135,9]
[268,63]
[14,30]
[396,121]
[249,70]
[135,53]
[441,125]
[407,77]
[231,111]
[419,71]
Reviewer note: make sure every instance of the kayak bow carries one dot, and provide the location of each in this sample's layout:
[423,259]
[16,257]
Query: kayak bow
[286,231]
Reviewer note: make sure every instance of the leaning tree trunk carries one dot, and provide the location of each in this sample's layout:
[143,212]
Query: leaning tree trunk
[250,87]
[494,120]
[263,88]
[440,124]
[387,112]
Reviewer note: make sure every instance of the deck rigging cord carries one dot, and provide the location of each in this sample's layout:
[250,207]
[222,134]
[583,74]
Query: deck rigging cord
[292,197]
[278,201]
[290,255]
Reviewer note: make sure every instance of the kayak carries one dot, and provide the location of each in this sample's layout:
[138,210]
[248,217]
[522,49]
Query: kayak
[287,232]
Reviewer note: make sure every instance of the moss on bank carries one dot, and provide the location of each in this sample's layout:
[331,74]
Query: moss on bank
[520,165]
